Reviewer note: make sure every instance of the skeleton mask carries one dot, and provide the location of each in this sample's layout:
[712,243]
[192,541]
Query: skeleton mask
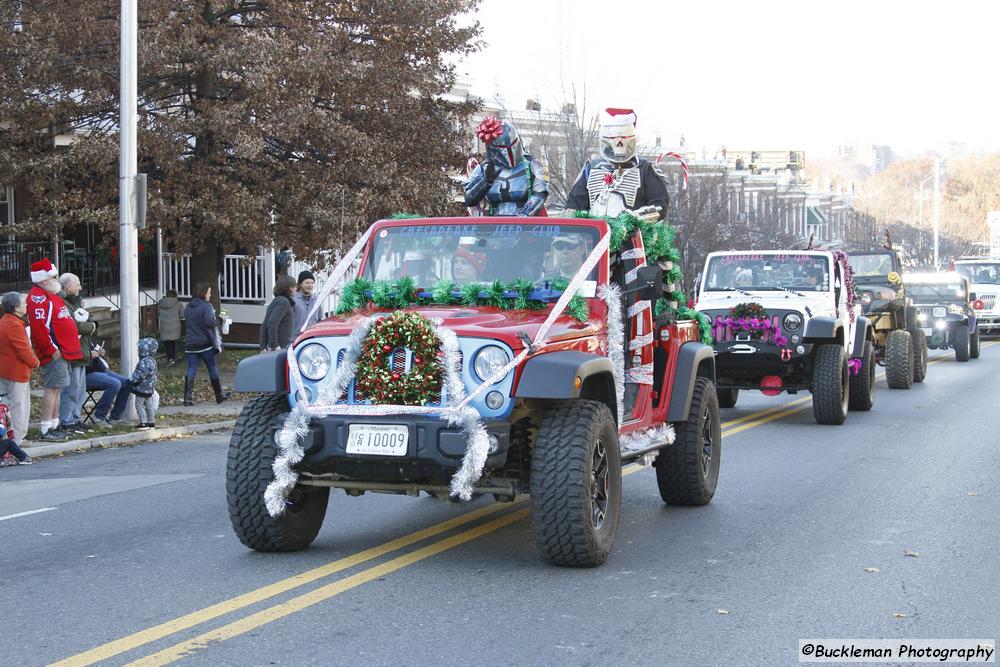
[618,135]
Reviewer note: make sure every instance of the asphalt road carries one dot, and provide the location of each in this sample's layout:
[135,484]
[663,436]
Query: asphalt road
[126,555]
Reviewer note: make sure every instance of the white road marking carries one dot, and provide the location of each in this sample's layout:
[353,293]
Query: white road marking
[14,516]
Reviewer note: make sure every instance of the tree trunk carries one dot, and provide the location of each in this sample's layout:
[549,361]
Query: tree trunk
[206,266]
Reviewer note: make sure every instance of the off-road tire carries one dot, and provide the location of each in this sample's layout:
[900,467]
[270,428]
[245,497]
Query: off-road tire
[830,384]
[862,385]
[564,508]
[963,344]
[687,472]
[919,340]
[974,345]
[727,397]
[248,472]
[899,360]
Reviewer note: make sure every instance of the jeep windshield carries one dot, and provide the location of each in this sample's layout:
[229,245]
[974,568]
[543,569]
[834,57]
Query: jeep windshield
[983,273]
[936,292]
[757,272]
[875,265]
[480,253]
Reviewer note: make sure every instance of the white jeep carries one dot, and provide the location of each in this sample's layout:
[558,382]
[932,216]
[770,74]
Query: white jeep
[984,278]
[785,320]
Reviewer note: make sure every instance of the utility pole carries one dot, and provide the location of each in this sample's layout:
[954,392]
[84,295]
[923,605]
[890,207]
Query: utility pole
[937,208]
[128,245]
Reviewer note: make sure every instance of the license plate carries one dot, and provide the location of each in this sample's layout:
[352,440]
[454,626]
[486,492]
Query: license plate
[927,331]
[378,439]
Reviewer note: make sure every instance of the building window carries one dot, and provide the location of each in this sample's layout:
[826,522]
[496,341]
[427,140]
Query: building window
[6,206]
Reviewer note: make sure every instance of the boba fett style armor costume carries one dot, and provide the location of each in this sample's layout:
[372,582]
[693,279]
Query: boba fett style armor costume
[510,181]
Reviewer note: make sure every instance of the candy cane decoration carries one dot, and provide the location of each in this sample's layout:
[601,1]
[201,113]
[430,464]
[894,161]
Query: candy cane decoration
[476,209]
[684,165]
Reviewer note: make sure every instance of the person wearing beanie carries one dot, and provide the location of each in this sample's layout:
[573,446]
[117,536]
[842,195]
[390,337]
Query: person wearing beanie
[305,299]
[467,266]
[56,341]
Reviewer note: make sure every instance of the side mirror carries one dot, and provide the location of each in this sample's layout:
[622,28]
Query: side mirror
[972,296]
[648,283]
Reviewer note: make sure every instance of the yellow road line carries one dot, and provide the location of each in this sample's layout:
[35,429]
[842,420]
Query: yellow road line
[296,604]
[265,616]
[162,630]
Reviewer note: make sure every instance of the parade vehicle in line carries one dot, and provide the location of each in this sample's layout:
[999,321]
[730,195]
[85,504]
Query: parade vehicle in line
[899,343]
[455,341]
[983,274]
[945,312]
[786,321]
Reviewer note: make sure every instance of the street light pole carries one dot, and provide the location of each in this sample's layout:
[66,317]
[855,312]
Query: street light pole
[128,245]
[937,209]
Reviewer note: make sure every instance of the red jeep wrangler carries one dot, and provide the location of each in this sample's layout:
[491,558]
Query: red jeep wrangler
[439,308]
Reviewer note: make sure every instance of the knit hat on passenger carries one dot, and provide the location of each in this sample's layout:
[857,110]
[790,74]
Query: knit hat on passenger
[305,275]
[43,269]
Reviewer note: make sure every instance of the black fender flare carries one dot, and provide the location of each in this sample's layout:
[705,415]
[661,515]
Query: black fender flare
[553,374]
[693,360]
[822,327]
[262,373]
[862,330]
[912,321]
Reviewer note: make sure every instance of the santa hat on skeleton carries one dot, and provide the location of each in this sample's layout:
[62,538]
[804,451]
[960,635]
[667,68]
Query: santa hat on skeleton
[618,135]
[42,270]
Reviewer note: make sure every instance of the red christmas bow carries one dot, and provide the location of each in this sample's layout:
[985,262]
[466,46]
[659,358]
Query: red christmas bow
[609,178]
[489,129]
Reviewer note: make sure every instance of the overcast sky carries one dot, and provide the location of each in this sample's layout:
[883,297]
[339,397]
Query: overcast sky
[774,74]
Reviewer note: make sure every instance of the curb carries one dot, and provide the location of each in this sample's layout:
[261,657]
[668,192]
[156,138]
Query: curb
[42,450]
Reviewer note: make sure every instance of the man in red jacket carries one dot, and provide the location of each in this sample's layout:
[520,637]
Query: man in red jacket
[56,342]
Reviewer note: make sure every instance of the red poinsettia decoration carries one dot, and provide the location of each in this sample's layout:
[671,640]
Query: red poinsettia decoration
[609,178]
[489,129]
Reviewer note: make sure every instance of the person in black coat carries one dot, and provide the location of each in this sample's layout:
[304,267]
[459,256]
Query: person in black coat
[200,342]
[276,330]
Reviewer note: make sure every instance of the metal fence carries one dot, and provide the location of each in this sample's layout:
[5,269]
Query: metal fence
[15,263]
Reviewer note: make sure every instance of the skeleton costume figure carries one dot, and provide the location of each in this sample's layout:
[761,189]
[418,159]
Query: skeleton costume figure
[511,181]
[619,180]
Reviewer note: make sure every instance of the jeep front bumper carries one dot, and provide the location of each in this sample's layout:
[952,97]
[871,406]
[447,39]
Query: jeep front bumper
[741,364]
[433,450]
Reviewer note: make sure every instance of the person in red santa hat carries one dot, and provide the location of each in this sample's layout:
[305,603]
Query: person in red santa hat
[55,339]
[619,180]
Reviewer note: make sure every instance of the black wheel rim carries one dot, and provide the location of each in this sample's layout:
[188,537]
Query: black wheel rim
[707,443]
[600,481]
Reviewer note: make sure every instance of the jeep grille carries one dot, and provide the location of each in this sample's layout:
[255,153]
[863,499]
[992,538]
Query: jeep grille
[400,361]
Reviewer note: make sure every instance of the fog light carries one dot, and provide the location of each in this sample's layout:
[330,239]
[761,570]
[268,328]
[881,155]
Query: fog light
[800,349]
[303,395]
[494,400]
[941,325]
[796,338]
[494,444]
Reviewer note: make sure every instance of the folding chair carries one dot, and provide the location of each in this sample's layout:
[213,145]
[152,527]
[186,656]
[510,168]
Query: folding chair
[90,405]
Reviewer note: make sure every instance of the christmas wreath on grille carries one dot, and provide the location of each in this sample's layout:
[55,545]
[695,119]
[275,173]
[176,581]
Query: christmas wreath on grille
[375,376]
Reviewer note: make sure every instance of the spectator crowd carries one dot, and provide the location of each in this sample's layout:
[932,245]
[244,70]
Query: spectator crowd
[49,332]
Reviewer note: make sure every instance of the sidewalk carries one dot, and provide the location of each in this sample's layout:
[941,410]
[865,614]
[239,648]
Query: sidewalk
[210,410]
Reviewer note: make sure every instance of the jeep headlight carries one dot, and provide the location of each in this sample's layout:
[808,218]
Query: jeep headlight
[940,311]
[921,317]
[866,298]
[489,360]
[792,322]
[314,361]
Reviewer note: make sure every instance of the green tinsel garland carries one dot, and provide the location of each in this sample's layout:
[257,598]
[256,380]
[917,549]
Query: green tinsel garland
[658,241]
[401,293]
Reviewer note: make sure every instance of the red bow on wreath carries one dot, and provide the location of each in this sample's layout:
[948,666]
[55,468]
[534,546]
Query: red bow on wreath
[489,129]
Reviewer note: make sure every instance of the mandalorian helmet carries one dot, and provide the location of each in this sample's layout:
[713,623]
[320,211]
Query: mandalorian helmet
[505,149]
[618,135]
